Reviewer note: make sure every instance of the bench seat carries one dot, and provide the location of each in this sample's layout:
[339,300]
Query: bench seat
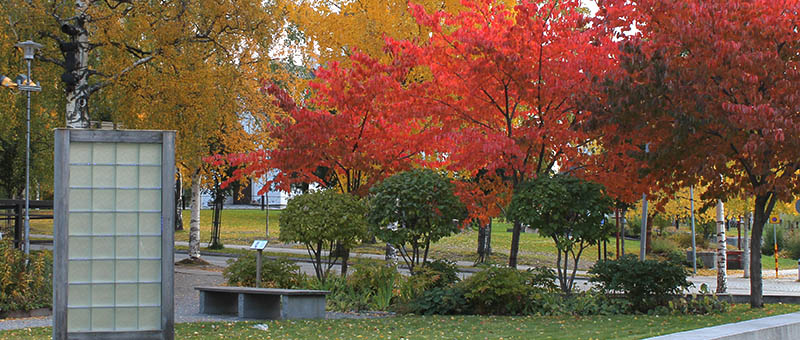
[263,303]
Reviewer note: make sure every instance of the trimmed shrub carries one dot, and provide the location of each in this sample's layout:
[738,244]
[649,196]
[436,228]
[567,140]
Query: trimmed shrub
[274,273]
[413,209]
[442,272]
[505,291]
[646,284]
[324,220]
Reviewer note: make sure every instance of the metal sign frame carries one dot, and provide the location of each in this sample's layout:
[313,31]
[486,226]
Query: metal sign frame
[63,138]
[259,244]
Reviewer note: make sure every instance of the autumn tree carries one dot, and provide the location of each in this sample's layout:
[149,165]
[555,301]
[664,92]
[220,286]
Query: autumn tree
[338,29]
[503,80]
[720,108]
[351,133]
[186,66]
[45,108]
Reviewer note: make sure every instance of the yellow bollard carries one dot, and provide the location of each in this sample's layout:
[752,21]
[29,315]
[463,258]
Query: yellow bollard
[775,236]
[776,260]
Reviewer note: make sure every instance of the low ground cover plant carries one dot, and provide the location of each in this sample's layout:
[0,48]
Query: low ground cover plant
[626,286]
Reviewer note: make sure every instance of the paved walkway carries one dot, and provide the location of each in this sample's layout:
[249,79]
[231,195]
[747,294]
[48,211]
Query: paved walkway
[187,303]
[785,285]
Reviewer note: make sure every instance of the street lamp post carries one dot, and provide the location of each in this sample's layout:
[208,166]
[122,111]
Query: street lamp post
[29,49]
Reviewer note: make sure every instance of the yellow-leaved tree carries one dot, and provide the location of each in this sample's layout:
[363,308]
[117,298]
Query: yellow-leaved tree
[191,66]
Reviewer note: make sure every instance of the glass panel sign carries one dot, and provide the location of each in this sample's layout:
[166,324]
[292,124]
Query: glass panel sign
[111,225]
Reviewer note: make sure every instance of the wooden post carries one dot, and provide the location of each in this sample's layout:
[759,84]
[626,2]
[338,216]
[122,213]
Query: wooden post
[18,225]
[619,226]
[258,269]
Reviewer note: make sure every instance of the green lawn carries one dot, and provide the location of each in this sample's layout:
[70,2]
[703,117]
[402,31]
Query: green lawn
[458,327]
[243,226]
[238,226]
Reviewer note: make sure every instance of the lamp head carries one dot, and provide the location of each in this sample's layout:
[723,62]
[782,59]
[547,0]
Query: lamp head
[29,49]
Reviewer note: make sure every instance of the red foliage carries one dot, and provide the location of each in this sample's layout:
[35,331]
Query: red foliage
[352,133]
[713,87]
[504,83]
[728,79]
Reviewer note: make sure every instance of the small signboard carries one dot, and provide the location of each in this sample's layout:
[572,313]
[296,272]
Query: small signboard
[774,220]
[259,245]
[797,206]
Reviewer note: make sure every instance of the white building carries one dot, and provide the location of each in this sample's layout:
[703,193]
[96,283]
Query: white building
[275,199]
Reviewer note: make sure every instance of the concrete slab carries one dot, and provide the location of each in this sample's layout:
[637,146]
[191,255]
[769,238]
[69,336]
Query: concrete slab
[778,327]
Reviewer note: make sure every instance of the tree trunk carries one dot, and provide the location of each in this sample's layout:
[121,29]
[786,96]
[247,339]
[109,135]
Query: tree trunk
[649,237]
[763,207]
[746,241]
[512,257]
[345,256]
[76,64]
[482,243]
[489,239]
[722,260]
[194,223]
[318,263]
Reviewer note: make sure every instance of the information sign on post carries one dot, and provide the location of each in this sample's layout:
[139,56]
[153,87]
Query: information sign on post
[113,234]
[259,246]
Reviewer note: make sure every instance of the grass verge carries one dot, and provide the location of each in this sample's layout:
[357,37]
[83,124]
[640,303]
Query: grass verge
[243,226]
[458,327]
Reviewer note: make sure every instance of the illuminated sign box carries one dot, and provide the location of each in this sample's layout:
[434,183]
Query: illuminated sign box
[113,235]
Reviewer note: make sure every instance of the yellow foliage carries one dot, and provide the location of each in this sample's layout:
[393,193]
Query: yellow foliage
[204,78]
[333,30]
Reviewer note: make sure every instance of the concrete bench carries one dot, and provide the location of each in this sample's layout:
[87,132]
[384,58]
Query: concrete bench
[263,303]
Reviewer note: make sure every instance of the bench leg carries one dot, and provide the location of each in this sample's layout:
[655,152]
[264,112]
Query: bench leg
[302,307]
[258,306]
[218,303]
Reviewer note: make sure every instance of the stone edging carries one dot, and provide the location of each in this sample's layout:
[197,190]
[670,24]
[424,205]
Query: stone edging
[777,327]
[17,314]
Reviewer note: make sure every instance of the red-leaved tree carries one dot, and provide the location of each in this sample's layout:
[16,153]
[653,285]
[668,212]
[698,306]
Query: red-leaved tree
[503,83]
[349,135]
[714,87]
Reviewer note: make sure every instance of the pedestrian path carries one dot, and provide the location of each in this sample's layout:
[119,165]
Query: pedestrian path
[786,284]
